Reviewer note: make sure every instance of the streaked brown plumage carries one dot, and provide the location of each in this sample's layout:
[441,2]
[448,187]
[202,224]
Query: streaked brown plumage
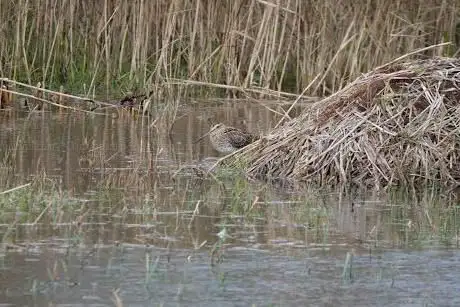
[5,97]
[226,139]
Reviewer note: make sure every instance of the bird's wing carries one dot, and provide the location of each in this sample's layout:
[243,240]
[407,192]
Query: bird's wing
[237,137]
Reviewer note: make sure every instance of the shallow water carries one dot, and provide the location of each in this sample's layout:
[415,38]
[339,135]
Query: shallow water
[115,217]
[247,276]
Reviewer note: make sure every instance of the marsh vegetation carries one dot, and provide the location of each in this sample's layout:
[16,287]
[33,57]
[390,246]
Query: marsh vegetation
[114,215]
[397,124]
[100,205]
[262,47]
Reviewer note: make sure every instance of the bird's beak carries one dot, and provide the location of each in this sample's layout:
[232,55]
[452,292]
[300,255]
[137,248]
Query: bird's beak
[201,137]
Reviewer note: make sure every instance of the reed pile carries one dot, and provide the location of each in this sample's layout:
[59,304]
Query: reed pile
[398,124]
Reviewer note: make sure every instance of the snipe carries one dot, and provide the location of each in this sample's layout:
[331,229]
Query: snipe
[227,139]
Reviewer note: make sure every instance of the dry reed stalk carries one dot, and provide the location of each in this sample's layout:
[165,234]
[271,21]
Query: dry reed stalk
[398,124]
[38,92]
[276,45]
[256,90]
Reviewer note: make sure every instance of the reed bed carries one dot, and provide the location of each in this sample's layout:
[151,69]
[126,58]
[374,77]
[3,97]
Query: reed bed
[114,45]
[398,124]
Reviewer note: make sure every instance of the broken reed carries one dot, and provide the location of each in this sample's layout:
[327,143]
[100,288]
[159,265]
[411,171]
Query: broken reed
[281,45]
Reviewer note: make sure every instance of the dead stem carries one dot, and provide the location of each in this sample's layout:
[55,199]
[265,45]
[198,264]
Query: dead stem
[395,124]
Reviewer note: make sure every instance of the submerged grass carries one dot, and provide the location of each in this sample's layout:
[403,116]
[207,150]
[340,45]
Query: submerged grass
[313,218]
[133,192]
[132,196]
[156,208]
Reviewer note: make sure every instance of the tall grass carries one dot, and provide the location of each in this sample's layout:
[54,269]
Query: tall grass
[280,45]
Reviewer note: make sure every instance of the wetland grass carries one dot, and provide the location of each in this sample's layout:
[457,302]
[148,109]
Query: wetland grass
[171,210]
[137,192]
[114,214]
[161,215]
[182,48]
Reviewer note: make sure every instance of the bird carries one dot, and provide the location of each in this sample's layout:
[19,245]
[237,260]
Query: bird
[5,97]
[226,139]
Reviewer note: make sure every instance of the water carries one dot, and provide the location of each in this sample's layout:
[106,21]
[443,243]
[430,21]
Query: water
[115,217]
